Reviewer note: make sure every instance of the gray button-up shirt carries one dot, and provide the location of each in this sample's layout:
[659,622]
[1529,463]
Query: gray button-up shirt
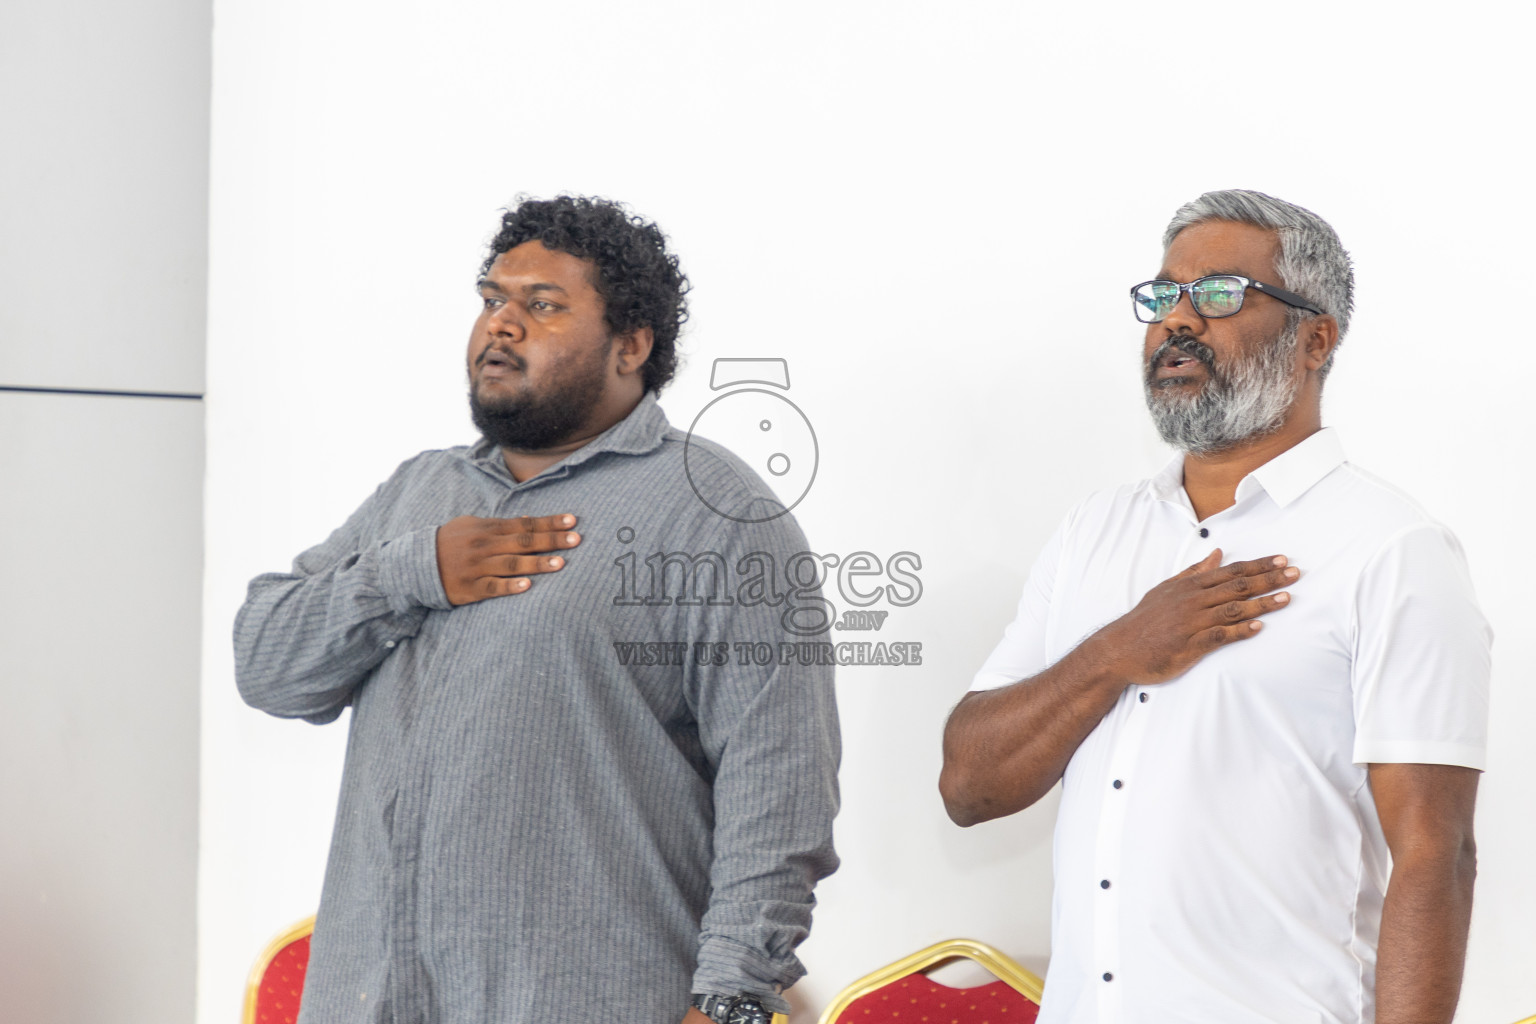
[540,821]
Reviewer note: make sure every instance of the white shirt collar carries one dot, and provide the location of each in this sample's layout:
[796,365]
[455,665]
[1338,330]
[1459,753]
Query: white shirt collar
[1284,478]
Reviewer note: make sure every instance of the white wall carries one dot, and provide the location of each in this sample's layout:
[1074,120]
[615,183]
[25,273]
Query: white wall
[103,251]
[104,188]
[99,628]
[933,213]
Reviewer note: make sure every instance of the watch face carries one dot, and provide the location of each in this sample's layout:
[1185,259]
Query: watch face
[748,1011]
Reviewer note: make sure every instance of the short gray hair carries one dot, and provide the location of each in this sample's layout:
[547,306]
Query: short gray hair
[1312,261]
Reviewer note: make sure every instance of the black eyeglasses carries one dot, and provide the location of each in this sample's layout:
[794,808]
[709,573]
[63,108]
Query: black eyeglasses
[1213,297]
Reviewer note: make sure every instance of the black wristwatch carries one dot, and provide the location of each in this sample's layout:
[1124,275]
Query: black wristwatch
[737,1009]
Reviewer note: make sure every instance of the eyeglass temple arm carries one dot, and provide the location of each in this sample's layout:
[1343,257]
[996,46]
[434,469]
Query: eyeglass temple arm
[1289,298]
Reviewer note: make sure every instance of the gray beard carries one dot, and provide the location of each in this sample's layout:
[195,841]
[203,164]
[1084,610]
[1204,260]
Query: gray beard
[1248,400]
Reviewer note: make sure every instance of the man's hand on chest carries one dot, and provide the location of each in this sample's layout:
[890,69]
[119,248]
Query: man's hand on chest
[480,558]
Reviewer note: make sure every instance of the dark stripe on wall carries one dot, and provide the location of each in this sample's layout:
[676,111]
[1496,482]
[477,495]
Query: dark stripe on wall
[94,391]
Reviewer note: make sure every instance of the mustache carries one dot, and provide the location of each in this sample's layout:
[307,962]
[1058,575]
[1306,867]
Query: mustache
[1188,345]
[510,357]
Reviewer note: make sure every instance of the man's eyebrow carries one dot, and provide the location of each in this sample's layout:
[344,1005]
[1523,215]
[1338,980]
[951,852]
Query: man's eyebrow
[485,284]
[1167,275]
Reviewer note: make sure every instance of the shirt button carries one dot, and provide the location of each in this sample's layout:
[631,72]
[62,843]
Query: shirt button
[389,643]
[1142,698]
[1104,884]
[1108,976]
[1117,783]
[1204,532]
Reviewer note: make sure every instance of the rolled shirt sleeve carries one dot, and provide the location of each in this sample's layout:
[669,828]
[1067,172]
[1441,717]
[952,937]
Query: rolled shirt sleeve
[771,731]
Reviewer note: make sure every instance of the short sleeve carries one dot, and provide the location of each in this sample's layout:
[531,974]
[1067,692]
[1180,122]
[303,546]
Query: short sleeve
[1422,655]
[1022,651]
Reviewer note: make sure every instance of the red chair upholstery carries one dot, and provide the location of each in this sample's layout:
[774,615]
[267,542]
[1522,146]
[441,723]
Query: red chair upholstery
[901,992]
[276,984]
[277,981]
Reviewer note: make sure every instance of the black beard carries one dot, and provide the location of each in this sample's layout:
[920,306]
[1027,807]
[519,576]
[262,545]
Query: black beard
[539,422]
[529,424]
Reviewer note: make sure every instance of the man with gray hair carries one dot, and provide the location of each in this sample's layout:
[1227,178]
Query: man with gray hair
[1269,758]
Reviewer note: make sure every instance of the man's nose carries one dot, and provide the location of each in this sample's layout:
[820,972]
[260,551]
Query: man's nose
[506,322]
[1183,319]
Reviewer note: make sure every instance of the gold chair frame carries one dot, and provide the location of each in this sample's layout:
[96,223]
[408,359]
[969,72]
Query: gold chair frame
[253,983]
[1003,967]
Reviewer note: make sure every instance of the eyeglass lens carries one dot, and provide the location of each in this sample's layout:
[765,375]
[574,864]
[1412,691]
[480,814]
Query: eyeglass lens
[1212,297]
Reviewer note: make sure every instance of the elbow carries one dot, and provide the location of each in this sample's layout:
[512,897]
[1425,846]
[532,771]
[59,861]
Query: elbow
[960,812]
[957,779]
[247,681]
[286,697]
[962,801]
[1466,862]
[257,693]
[965,781]
[1456,858]
[1447,867]
[975,791]
[255,686]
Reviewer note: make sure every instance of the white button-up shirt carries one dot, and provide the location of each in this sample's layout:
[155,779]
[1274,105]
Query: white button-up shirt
[1218,856]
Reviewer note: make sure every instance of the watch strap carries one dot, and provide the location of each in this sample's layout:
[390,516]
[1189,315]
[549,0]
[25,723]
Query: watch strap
[718,1007]
[714,1007]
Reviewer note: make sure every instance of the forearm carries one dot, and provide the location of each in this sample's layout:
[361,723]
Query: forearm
[303,642]
[1424,936]
[767,864]
[775,797]
[1004,749]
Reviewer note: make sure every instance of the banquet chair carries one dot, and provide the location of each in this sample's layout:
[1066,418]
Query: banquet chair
[277,981]
[903,992]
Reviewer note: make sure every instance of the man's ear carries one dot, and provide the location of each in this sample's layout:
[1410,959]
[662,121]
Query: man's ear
[633,349]
[1319,335]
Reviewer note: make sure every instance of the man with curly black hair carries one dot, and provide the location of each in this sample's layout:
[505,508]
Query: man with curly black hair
[563,801]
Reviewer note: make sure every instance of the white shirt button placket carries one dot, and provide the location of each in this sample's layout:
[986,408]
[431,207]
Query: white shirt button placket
[1109,851]
[1109,848]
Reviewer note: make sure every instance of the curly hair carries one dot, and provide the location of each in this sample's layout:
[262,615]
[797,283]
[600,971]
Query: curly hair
[640,282]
